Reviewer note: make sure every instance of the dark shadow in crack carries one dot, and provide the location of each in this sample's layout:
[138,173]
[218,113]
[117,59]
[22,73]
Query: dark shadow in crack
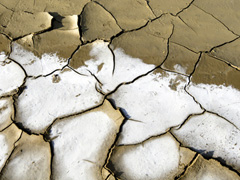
[209,155]
[21,126]
[110,166]
[206,154]
[112,102]
[52,154]
[122,110]
[57,20]
[124,113]
[46,135]
[21,89]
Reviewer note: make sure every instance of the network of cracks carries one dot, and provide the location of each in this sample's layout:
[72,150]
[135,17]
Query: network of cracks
[131,90]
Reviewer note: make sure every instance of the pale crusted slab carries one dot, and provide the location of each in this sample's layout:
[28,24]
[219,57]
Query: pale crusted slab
[6,112]
[197,30]
[81,143]
[210,170]
[11,77]
[155,103]
[61,94]
[7,142]
[30,160]
[210,134]
[156,159]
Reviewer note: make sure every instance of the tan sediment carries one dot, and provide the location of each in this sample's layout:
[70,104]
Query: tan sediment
[148,43]
[203,168]
[130,14]
[213,71]
[82,55]
[171,6]
[97,23]
[62,42]
[4,44]
[22,23]
[227,53]
[180,56]
[199,31]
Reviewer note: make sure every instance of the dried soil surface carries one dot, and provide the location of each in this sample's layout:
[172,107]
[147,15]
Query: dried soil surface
[130,90]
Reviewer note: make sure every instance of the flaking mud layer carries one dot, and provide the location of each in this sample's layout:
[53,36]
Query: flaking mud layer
[131,90]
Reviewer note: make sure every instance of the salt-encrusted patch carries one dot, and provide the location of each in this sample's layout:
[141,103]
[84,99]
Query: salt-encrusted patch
[60,94]
[180,69]
[112,72]
[81,143]
[158,158]
[127,68]
[33,65]
[157,101]
[220,99]
[6,112]
[3,56]
[99,60]
[11,77]
[212,135]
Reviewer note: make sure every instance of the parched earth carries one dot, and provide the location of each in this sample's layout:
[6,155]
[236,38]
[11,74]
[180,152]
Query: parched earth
[120,89]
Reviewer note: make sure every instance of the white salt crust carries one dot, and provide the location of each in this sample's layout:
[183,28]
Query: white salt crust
[154,104]
[3,56]
[222,100]
[81,143]
[156,159]
[33,65]
[212,134]
[11,77]
[125,67]
[61,94]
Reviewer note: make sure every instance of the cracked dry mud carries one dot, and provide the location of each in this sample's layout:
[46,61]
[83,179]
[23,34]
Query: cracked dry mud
[121,89]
